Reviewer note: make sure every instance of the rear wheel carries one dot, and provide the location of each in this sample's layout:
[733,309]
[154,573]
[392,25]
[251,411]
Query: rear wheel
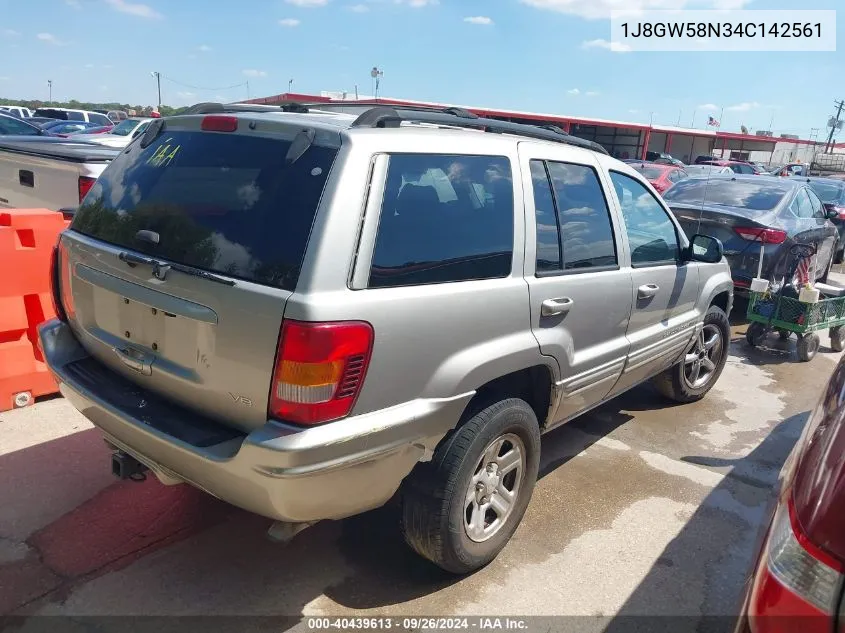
[460,509]
[755,334]
[808,345]
[702,364]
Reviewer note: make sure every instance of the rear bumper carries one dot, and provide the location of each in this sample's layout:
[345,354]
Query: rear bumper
[279,471]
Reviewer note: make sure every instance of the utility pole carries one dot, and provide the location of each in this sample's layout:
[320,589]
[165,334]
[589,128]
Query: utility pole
[50,88]
[157,76]
[247,90]
[834,123]
[290,85]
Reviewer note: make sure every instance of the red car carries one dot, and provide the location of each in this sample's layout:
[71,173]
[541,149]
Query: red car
[738,166]
[660,176]
[796,583]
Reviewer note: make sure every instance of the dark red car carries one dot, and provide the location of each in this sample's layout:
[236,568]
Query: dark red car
[660,176]
[796,583]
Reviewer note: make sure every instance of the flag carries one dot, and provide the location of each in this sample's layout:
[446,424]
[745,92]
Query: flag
[712,121]
[802,274]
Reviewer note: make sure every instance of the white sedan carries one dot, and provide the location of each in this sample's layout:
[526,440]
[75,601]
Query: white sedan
[120,136]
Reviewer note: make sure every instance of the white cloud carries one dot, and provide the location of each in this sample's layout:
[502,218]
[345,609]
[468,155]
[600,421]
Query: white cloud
[4,78]
[418,4]
[251,72]
[49,38]
[89,65]
[601,9]
[108,66]
[289,22]
[359,8]
[185,95]
[73,4]
[743,107]
[10,33]
[614,47]
[138,10]
[308,3]
[479,19]
[204,48]
[592,93]
[708,106]
[574,91]
[633,111]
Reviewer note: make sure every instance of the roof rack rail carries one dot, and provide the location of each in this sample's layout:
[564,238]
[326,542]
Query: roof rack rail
[391,116]
[212,107]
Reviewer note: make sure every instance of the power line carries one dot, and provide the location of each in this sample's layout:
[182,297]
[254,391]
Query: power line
[179,83]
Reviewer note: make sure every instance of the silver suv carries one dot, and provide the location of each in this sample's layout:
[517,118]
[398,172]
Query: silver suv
[304,312]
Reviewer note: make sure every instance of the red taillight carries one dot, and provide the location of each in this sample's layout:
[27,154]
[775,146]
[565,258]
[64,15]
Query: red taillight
[85,184]
[766,236]
[840,211]
[320,368]
[216,123]
[797,586]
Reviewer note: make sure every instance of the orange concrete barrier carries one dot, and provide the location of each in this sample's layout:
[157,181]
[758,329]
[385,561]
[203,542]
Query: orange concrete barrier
[27,238]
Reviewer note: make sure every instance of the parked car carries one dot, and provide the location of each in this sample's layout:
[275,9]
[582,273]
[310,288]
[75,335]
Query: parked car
[660,176]
[704,158]
[66,114]
[39,120]
[656,157]
[669,161]
[704,171]
[737,166]
[48,172]
[791,169]
[796,580]
[246,296]
[105,129]
[747,211]
[13,126]
[16,111]
[66,128]
[832,194]
[120,136]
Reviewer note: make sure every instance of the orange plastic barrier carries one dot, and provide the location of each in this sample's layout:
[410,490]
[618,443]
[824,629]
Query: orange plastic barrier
[27,238]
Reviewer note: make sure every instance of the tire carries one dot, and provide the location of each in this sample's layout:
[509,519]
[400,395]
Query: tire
[837,338]
[755,334]
[435,495]
[808,345]
[675,383]
[839,257]
[784,334]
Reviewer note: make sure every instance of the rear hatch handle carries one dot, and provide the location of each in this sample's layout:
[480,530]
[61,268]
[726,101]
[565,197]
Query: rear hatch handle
[135,360]
[160,270]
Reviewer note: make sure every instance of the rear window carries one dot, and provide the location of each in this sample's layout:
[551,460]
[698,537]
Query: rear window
[727,193]
[651,173]
[50,113]
[226,203]
[829,192]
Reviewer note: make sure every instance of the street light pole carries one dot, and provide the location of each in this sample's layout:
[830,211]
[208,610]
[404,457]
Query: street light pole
[290,85]
[157,76]
[376,74]
[50,88]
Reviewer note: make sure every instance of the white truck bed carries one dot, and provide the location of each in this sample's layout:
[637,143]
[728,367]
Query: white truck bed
[43,173]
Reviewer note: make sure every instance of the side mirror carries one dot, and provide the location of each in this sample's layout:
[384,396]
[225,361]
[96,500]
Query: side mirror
[704,248]
[831,214]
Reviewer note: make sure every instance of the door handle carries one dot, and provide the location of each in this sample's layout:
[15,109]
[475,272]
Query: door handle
[135,360]
[554,307]
[647,291]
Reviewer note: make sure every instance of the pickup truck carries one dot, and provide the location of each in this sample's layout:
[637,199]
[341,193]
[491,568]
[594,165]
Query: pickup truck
[48,173]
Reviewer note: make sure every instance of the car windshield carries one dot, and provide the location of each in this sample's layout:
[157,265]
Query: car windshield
[15,127]
[124,128]
[650,172]
[728,193]
[829,192]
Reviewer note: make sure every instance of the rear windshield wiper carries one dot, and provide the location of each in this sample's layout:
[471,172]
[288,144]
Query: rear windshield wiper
[160,269]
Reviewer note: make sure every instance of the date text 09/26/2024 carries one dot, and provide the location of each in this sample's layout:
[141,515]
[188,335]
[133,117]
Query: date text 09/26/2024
[417,624]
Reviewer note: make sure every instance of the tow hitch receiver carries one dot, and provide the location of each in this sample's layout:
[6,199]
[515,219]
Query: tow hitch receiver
[125,466]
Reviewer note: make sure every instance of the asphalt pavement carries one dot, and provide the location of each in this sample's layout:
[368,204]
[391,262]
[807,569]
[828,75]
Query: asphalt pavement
[642,509]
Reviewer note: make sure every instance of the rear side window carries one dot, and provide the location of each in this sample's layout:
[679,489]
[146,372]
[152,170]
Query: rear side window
[227,203]
[444,218]
[100,119]
[75,116]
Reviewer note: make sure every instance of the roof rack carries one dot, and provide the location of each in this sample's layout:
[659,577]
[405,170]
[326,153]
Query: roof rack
[378,116]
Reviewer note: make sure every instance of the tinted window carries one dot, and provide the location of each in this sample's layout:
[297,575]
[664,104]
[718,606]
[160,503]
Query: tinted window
[75,116]
[583,217]
[125,128]
[818,208]
[829,192]
[99,119]
[652,173]
[228,203]
[741,168]
[444,218]
[548,238]
[52,113]
[762,196]
[11,125]
[803,205]
[651,233]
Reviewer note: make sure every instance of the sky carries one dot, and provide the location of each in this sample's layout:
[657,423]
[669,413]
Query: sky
[538,55]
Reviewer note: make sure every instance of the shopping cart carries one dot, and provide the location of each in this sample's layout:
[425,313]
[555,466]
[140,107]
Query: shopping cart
[782,311]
